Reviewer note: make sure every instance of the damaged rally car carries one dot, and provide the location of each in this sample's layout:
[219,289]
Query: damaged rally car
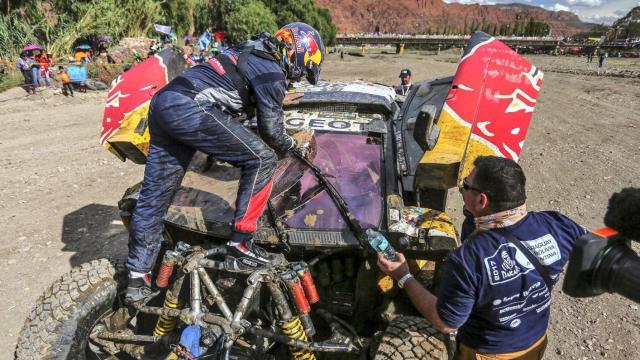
[376,165]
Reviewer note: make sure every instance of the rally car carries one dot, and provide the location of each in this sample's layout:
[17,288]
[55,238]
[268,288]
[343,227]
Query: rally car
[376,165]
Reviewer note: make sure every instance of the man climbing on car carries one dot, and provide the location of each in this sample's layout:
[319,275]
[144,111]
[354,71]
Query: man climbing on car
[199,110]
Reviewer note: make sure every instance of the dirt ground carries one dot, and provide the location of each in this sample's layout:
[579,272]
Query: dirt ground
[59,189]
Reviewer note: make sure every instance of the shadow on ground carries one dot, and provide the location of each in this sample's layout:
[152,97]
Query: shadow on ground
[94,231]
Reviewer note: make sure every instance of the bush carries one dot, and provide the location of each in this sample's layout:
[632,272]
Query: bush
[250,19]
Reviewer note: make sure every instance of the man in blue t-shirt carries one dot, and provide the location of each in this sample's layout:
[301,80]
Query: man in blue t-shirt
[491,294]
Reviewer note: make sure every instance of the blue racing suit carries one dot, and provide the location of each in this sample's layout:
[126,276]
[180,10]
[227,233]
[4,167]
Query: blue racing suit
[198,111]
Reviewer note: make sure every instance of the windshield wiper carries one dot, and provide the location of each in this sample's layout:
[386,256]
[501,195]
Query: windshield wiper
[341,204]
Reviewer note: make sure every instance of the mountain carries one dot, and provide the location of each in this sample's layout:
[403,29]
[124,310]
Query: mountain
[414,16]
[628,26]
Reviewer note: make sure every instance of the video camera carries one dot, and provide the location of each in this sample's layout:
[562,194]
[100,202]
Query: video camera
[603,259]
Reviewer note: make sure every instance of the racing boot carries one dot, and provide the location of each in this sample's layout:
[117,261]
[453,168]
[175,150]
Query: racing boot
[139,289]
[247,256]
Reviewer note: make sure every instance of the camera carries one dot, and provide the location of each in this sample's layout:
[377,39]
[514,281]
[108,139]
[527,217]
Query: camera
[603,260]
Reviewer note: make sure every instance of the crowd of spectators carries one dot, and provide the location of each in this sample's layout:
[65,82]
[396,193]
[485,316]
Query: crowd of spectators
[35,66]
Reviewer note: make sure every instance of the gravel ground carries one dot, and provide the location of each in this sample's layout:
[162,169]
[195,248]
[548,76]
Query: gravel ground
[59,188]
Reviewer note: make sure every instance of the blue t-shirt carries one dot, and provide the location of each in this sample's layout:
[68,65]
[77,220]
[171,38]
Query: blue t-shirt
[492,293]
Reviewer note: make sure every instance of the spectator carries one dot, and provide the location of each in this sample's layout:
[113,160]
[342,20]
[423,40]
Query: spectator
[67,87]
[152,48]
[35,70]
[105,57]
[44,62]
[405,83]
[80,55]
[25,67]
[603,55]
[497,293]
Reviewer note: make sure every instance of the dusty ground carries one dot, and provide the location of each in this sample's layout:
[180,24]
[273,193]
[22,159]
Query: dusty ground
[59,189]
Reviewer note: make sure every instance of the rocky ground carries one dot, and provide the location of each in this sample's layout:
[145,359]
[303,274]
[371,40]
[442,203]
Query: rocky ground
[59,188]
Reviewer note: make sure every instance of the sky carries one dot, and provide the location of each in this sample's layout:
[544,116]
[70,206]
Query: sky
[596,11]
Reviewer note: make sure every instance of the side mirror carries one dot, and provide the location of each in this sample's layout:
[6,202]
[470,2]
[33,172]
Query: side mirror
[426,131]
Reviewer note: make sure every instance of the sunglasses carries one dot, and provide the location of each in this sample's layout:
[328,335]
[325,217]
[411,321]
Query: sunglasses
[465,187]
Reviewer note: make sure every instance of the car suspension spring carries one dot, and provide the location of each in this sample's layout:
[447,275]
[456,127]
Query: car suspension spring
[308,284]
[294,330]
[296,291]
[167,324]
[166,269]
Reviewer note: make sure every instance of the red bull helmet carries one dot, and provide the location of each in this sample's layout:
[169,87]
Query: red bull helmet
[302,51]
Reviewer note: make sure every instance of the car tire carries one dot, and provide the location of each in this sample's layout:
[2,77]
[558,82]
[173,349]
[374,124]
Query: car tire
[410,337]
[59,324]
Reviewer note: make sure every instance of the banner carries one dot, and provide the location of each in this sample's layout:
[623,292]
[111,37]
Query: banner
[165,29]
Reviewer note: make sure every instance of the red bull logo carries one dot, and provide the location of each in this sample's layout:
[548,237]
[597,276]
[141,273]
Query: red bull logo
[131,90]
[505,87]
[313,52]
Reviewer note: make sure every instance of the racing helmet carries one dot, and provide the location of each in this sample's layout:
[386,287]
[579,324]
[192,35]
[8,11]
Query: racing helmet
[302,51]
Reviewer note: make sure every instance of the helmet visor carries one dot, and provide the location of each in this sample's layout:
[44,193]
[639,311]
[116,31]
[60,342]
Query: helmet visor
[313,72]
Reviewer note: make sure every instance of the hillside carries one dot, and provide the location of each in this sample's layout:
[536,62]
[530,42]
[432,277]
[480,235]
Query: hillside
[628,26]
[413,16]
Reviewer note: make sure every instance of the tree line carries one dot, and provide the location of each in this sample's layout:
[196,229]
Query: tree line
[59,25]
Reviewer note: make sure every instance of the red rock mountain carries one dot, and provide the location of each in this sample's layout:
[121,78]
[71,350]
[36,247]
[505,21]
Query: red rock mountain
[413,16]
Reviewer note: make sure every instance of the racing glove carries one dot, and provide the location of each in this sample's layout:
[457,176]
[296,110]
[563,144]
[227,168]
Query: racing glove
[305,142]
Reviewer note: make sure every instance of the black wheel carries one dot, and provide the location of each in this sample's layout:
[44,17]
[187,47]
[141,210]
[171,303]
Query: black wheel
[59,325]
[410,337]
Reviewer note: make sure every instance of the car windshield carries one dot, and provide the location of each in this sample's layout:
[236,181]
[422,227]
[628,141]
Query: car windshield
[206,200]
[351,164]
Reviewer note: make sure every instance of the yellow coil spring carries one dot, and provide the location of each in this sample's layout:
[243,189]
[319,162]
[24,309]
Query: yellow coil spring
[294,330]
[166,324]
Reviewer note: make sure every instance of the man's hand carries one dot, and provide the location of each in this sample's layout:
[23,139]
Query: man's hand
[395,269]
[292,98]
[305,142]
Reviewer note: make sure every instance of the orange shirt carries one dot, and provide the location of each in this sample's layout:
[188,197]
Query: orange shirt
[64,77]
[79,55]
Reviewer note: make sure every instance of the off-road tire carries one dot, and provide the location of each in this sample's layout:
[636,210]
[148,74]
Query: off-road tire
[410,337]
[59,324]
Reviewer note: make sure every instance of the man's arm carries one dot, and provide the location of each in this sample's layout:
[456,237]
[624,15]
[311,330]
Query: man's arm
[269,90]
[424,301]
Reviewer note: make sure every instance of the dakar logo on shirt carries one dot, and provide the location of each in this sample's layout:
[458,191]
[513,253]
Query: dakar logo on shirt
[502,266]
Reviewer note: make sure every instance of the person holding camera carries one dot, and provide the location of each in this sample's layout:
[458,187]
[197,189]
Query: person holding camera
[496,291]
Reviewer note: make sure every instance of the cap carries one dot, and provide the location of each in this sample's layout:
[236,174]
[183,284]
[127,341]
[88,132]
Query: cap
[405,73]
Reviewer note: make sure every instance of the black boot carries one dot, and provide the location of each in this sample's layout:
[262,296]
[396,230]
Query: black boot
[139,290]
[249,256]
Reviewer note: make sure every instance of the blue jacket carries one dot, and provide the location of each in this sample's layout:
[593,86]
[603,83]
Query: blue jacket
[267,86]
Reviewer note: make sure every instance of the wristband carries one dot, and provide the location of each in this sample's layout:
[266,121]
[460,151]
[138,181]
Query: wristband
[404,280]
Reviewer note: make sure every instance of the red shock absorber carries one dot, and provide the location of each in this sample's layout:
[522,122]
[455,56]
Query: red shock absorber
[294,285]
[166,269]
[308,285]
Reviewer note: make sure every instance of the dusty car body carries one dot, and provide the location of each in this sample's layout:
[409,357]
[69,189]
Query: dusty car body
[378,164]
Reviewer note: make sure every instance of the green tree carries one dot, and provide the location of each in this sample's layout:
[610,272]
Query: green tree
[250,19]
[288,11]
[186,16]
